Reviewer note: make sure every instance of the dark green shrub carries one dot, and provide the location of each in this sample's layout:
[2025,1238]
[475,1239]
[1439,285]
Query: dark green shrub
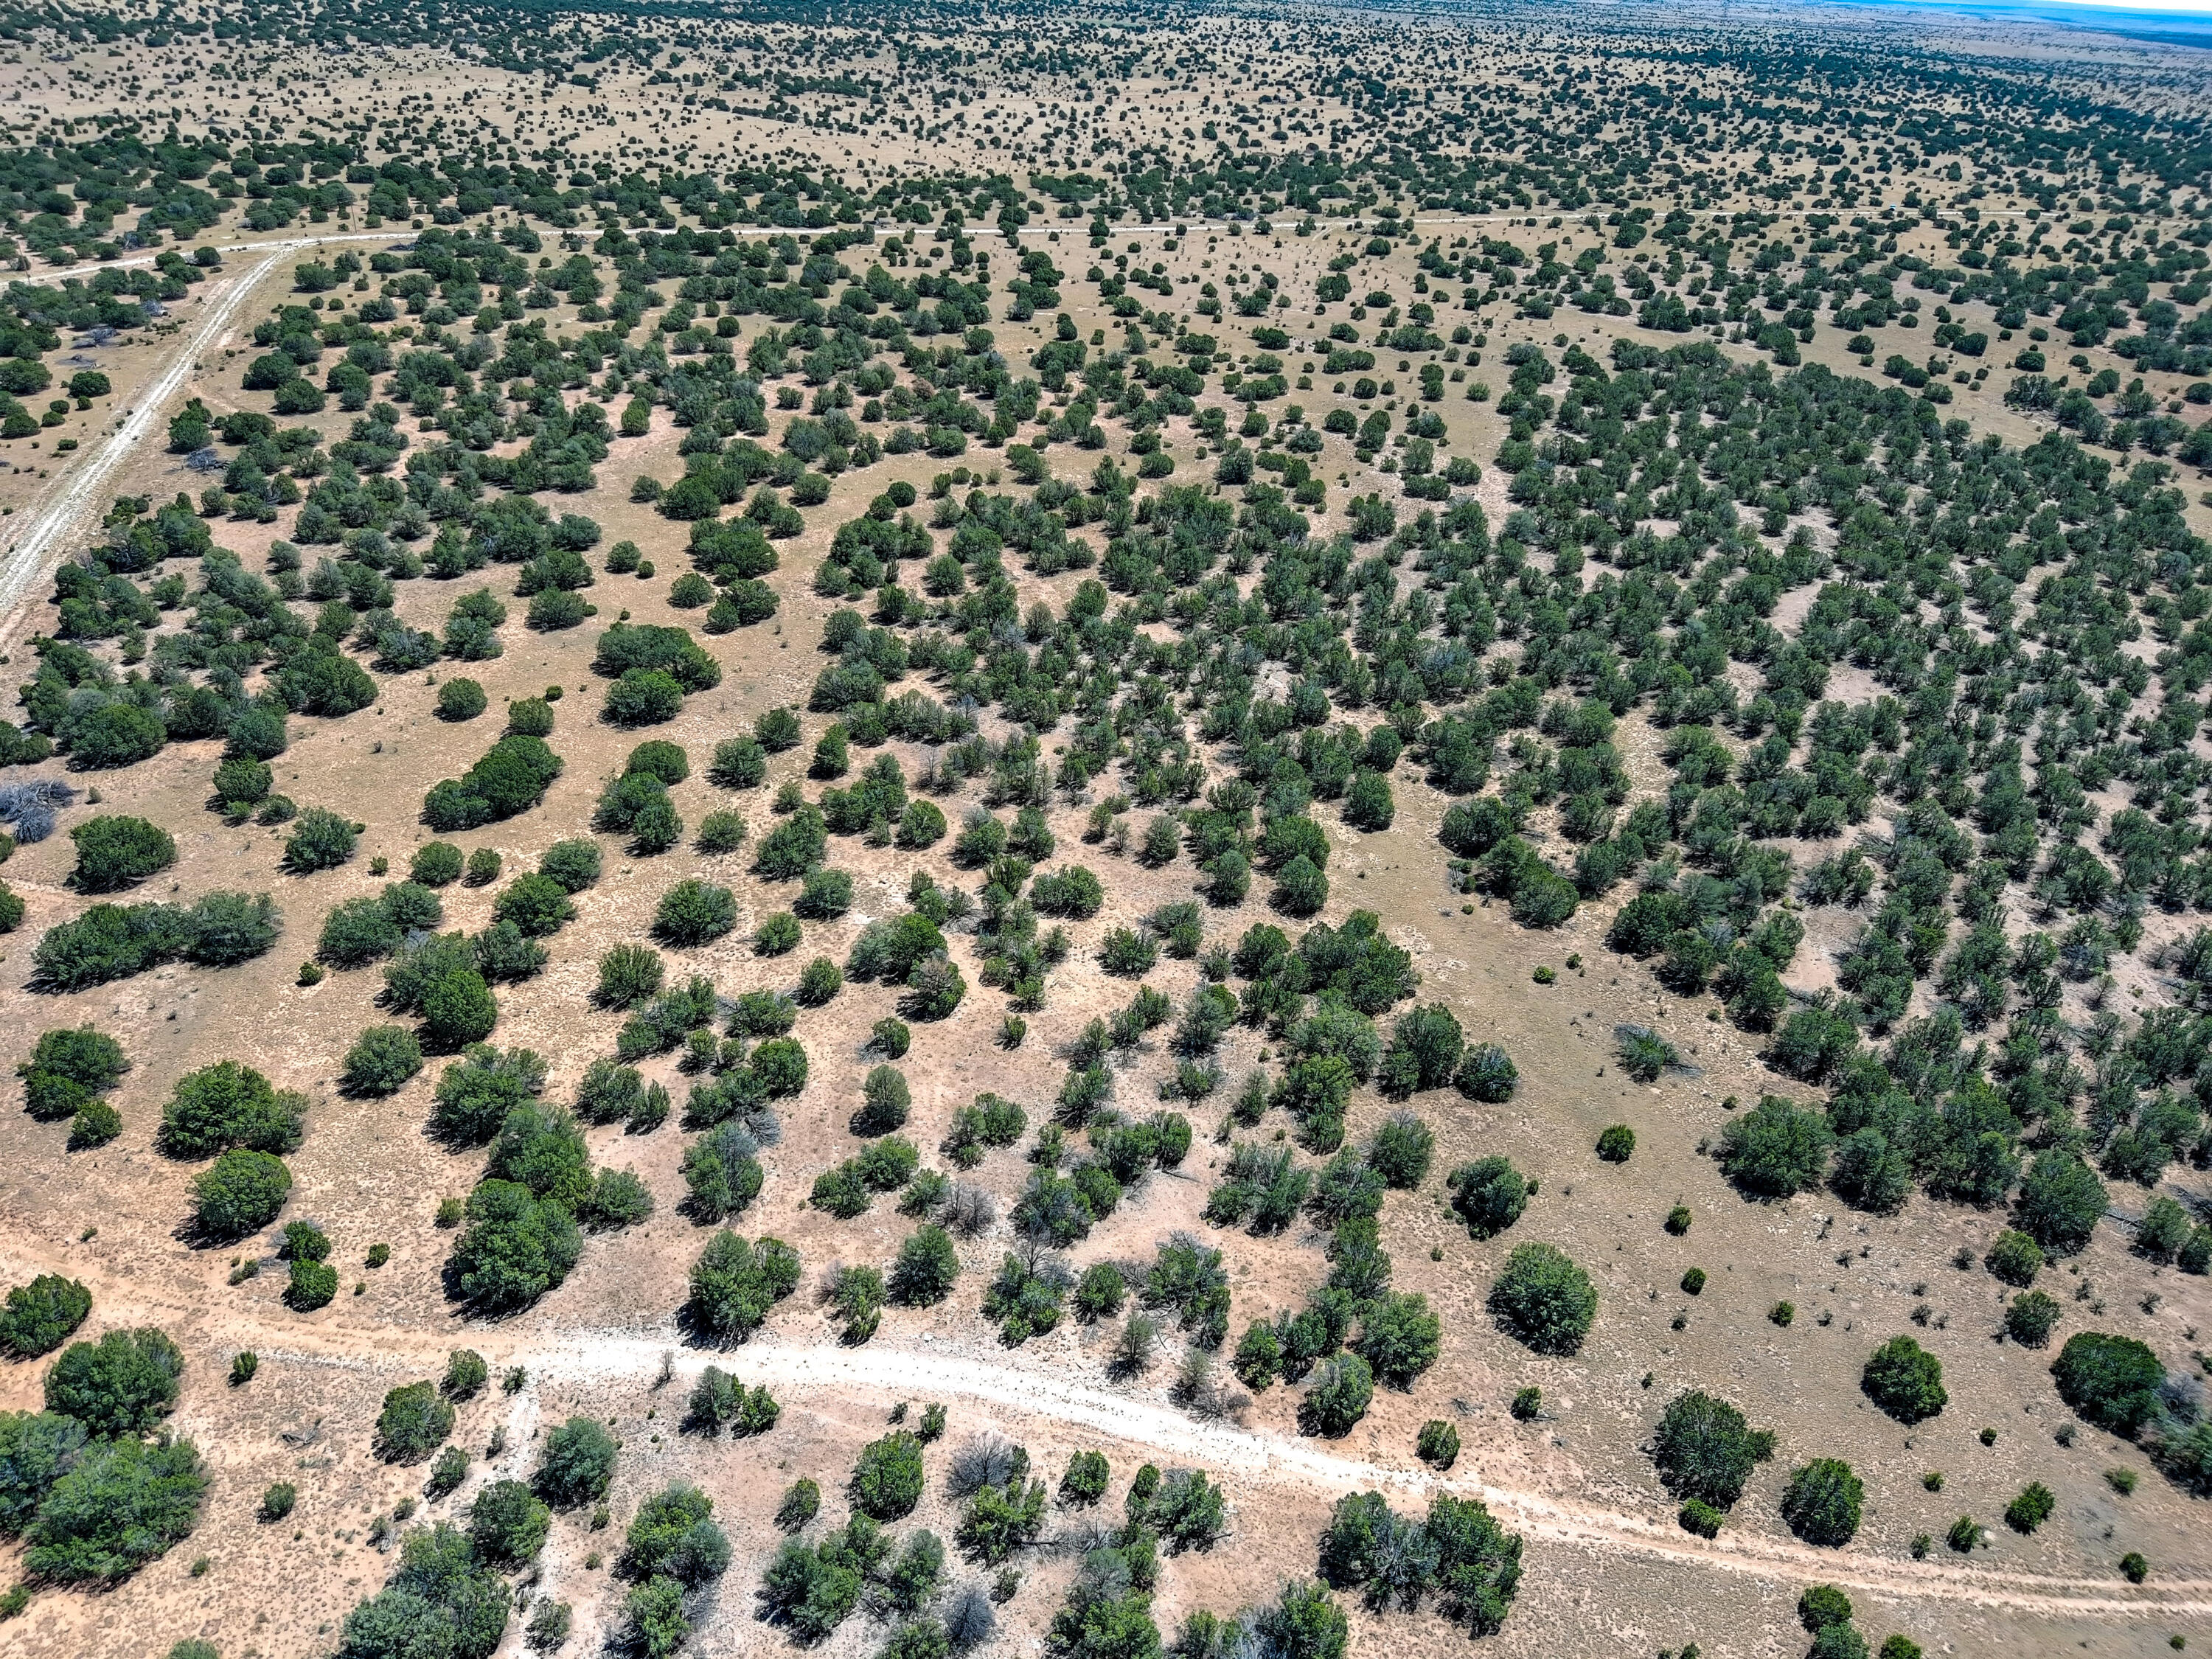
[95,1124]
[123,1384]
[465,1374]
[1099,1293]
[721,833]
[1259,1357]
[674,1537]
[1402,1151]
[825,895]
[311,1285]
[819,982]
[1337,1397]
[414,1422]
[1489,1195]
[2060,1201]
[739,763]
[242,1190]
[1823,1502]
[35,1449]
[113,941]
[652,1621]
[926,1269]
[1367,803]
[659,758]
[642,697]
[530,717]
[68,1071]
[629,974]
[1777,1149]
[226,1105]
[1487,1073]
[117,734]
[2030,1508]
[460,700]
[776,730]
[574,863]
[2112,1381]
[921,825]
[123,1503]
[1437,1444]
[1701,1518]
[793,848]
[1424,1050]
[516,1247]
[721,1173]
[887,1481]
[1086,1478]
[115,852]
[447,1470]
[537,904]
[2029,1318]
[798,1506]
[1544,1300]
[41,1315]
[381,1061]
[1821,1606]
[694,912]
[884,1102]
[478,1091]
[780,1065]
[436,863]
[320,840]
[241,782]
[507,1523]
[1904,1380]
[735,1284]
[512,777]
[442,1597]
[1399,1337]
[2014,1258]
[1705,1450]
[1617,1144]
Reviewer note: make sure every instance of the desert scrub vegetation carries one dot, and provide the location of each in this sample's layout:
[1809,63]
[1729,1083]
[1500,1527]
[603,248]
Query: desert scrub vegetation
[92,1499]
[1985,646]
[66,1076]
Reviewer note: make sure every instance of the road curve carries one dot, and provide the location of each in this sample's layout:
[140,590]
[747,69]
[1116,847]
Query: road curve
[1255,1456]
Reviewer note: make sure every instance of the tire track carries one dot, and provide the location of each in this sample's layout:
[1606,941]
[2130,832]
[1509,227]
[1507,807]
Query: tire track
[25,565]
[1266,1458]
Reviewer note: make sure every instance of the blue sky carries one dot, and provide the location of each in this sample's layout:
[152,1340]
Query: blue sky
[2193,11]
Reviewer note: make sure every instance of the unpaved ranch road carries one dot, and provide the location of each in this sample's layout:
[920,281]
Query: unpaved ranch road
[76,500]
[1253,1457]
[74,506]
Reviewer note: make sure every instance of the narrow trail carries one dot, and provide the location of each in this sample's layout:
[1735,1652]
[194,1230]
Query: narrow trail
[25,564]
[288,245]
[1256,1457]
[77,498]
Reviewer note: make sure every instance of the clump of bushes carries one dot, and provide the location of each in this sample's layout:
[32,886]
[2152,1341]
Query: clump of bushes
[1543,1300]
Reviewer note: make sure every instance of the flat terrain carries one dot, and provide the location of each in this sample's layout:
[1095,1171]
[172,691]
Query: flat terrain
[1378,392]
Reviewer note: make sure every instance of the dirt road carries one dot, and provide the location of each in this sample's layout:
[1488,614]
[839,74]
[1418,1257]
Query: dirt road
[78,498]
[1223,1448]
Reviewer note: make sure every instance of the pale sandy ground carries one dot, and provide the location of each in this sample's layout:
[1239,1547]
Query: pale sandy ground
[1607,1571]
